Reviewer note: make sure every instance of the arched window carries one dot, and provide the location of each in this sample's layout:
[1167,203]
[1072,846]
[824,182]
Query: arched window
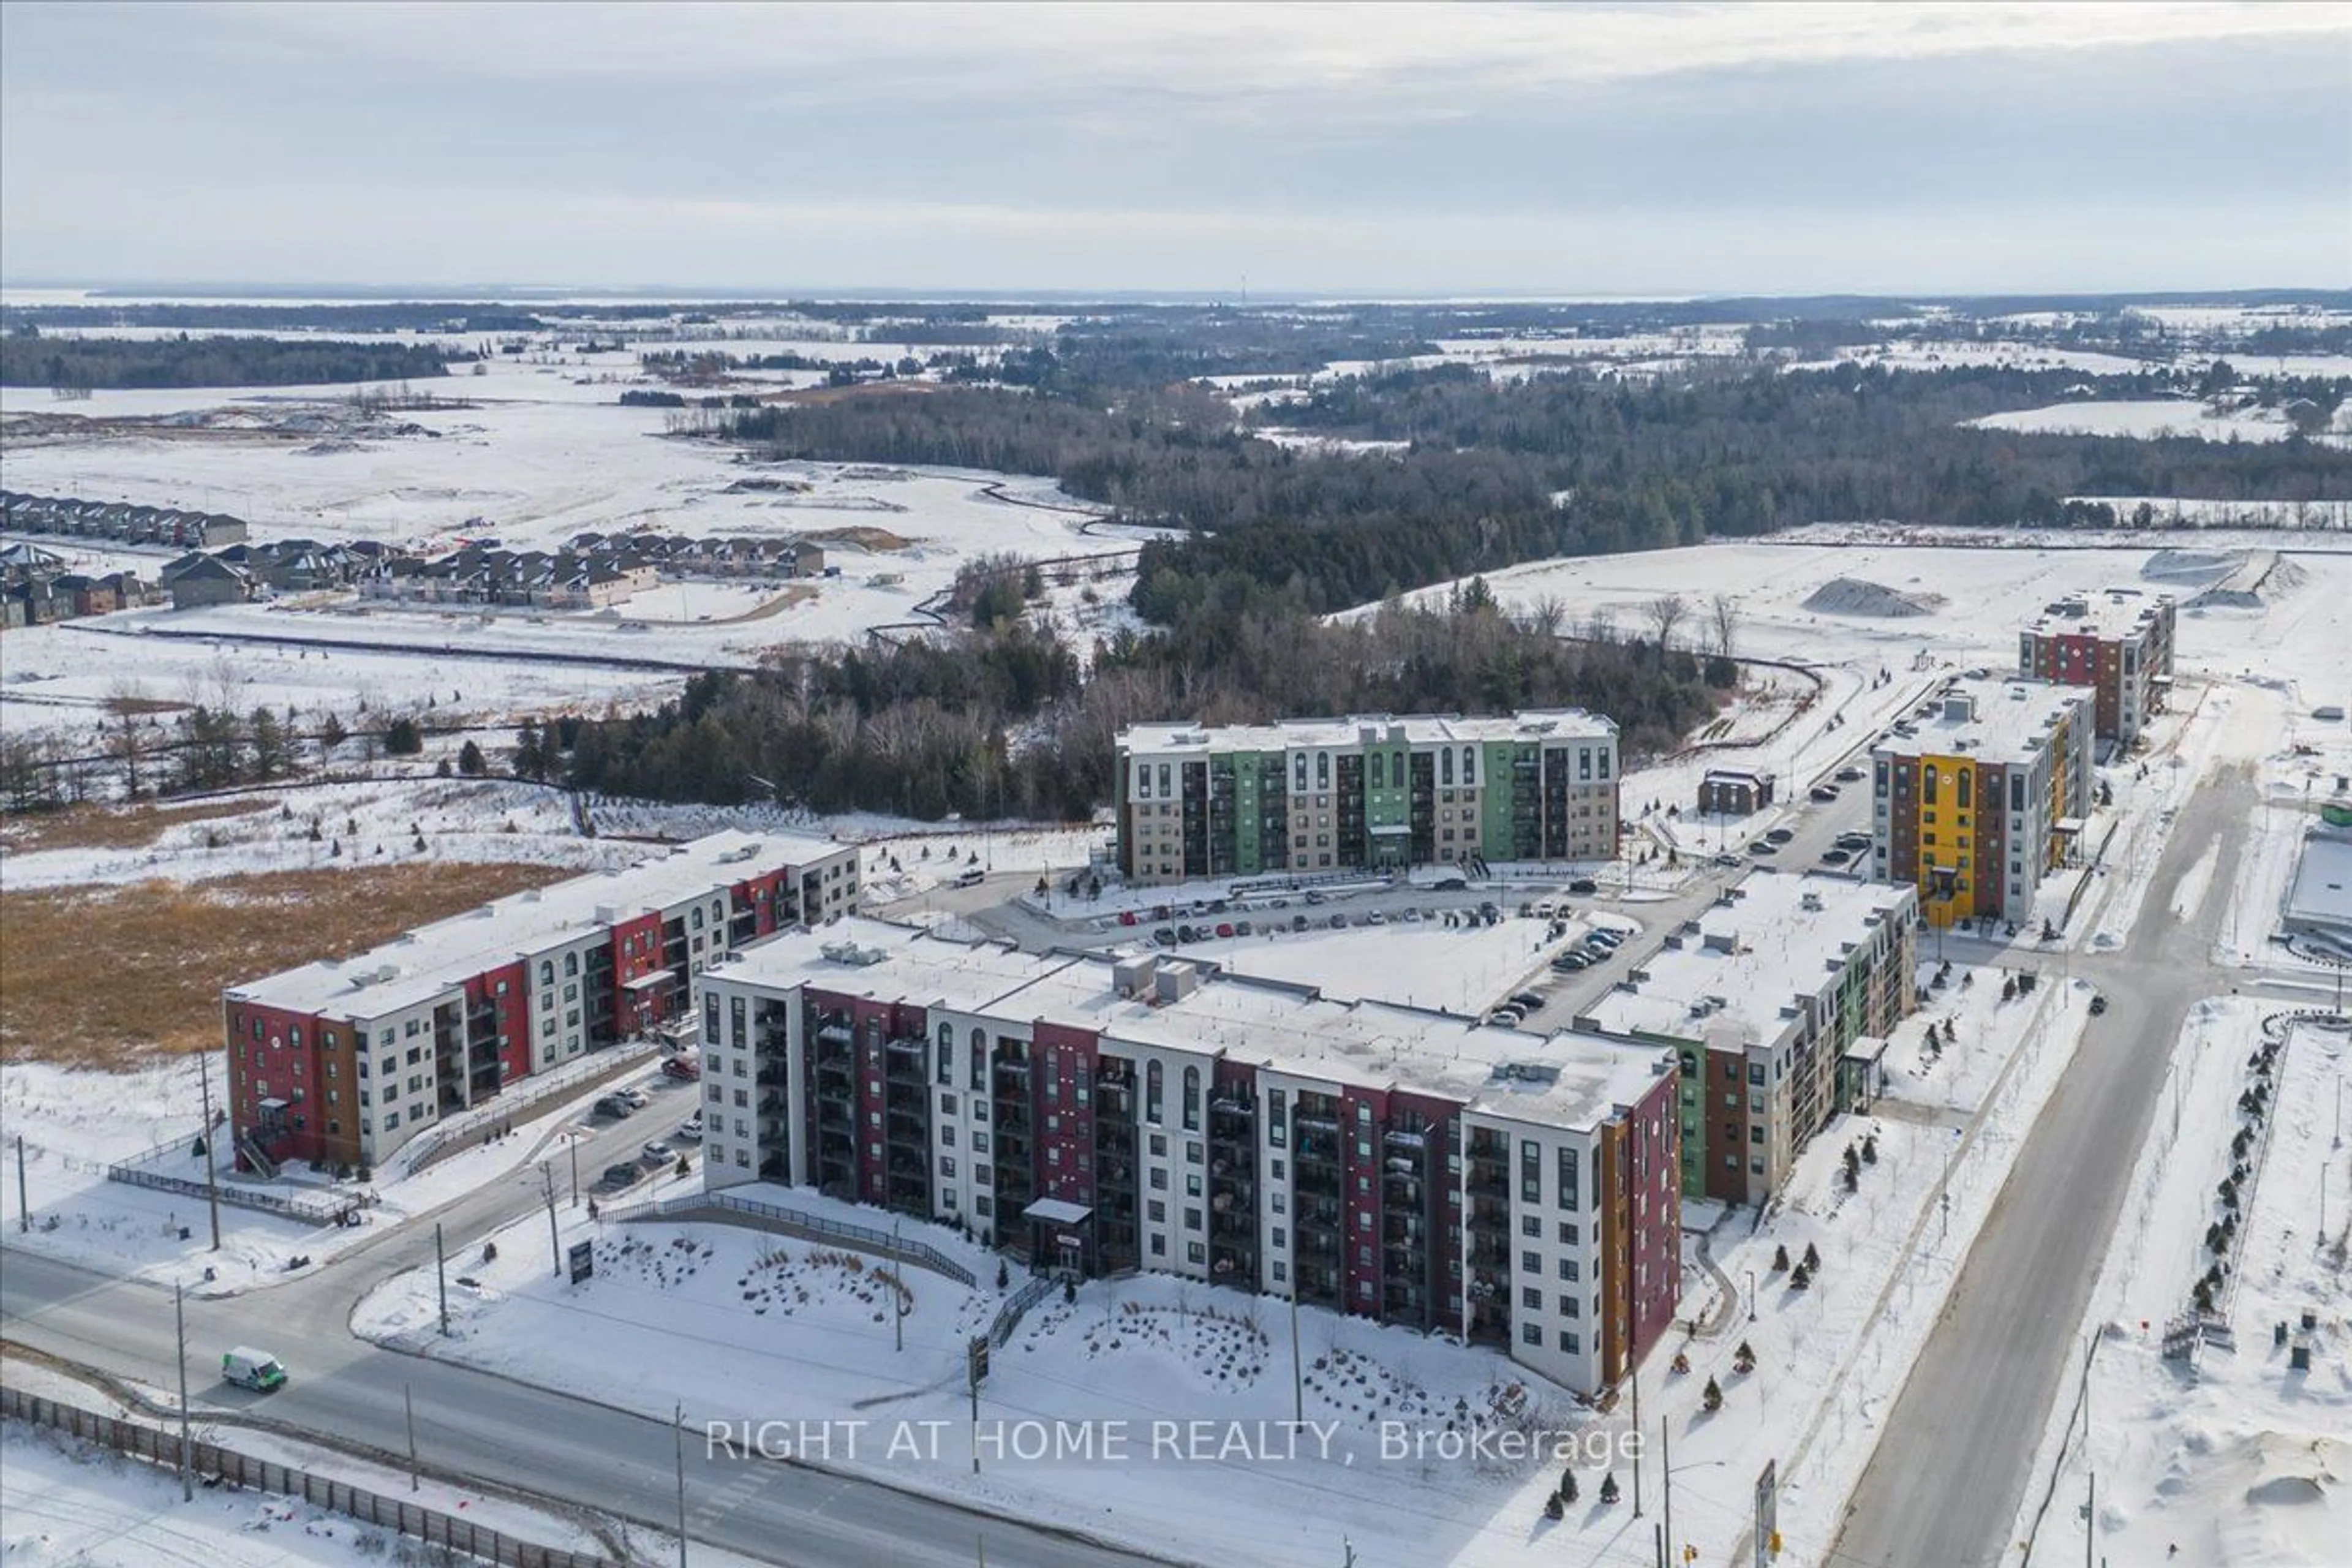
[947,1054]
[1445,768]
[1192,1100]
[1469,764]
[571,964]
[1151,1090]
[697,916]
[547,971]
[1928,784]
[1962,780]
[979,1058]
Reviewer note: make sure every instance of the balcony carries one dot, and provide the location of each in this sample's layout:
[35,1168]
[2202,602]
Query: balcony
[833,1032]
[1114,1097]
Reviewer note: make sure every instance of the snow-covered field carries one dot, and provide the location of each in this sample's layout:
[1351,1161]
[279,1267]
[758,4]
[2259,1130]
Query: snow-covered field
[2236,1456]
[1466,969]
[2145,418]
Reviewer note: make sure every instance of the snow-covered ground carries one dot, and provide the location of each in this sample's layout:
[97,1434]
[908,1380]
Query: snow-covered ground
[2235,1456]
[2146,418]
[74,1124]
[1465,969]
[780,1329]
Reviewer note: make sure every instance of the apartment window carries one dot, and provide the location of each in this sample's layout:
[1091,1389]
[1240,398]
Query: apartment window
[1278,1130]
[1530,1262]
[1530,1226]
[1571,1343]
[947,1137]
[1159,1180]
[1567,1235]
[946,1166]
[1570,1194]
[1156,1211]
[1529,1333]
[1192,1100]
[1530,1171]
[1569,1269]
[1570,1307]
[1153,1087]
[1531,1298]
[1159,1246]
[1280,1273]
[1192,1219]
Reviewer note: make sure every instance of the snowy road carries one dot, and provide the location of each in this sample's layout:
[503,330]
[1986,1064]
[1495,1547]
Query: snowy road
[347,1391]
[1948,1472]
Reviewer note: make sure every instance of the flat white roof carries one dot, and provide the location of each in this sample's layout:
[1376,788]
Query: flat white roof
[1750,957]
[1569,1079]
[2009,714]
[2108,614]
[1530,727]
[429,960]
[2323,881]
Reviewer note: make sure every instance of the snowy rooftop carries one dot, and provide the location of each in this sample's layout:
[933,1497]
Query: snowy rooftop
[421,963]
[1413,729]
[2323,882]
[1777,940]
[1569,1079]
[1991,718]
[2108,614]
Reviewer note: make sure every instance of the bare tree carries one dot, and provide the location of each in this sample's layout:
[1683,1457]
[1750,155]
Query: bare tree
[1725,612]
[1546,616]
[1665,612]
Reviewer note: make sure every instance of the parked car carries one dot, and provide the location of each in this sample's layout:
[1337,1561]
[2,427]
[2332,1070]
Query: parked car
[637,1097]
[686,1069]
[1450,884]
[1726,859]
[1853,841]
[616,1177]
[1339,923]
[1584,885]
[1527,1001]
[971,877]
[1834,857]
[1608,936]
[1243,928]
[1824,793]
[691,1129]
[1314,896]
[1186,933]
[1376,919]
[1504,1017]
[1298,922]
[1127,917]
[1849,774]
[615,1105]
[1490,912]
[1781,835]
[2098,1005]
[1569,963]
[657,1153]
[1410,917]
[256,1370]
[1763,847]
[1225,927]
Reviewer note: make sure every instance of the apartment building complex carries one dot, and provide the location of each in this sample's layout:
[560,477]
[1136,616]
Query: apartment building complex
[1775,1001]
[342,1061]
[1364,794]
[1096,1115]
[1981,794]
[2117,642]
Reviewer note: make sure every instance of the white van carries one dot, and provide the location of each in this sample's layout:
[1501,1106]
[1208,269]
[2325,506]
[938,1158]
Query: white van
[250,1368]
[971,877]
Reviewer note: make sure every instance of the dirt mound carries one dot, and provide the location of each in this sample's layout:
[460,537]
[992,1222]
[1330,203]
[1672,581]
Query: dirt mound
[1854,596]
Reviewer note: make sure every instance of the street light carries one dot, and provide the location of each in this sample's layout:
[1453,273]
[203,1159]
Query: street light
[1751,1295]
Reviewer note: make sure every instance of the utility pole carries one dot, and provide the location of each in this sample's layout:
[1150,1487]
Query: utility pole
[677,1427]
[408,1403]
[1637,1433]
[187,1449]
[212,1176]
[1297,1373]
[441,1277]
[897,1295]
[23,1209]
[572,1146]
[1667,1482]
[554,1238]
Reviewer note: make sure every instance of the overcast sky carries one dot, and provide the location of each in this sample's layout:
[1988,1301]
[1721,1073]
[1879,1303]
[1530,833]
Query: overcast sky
[1581,151]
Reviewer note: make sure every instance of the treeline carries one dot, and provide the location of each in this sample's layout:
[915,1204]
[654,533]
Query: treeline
[927,728]
[75,362]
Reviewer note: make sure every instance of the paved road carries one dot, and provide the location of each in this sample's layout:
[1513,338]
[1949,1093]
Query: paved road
[1952,1465]
[345,1390]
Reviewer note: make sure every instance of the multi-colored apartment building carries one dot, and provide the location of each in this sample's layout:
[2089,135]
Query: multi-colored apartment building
[1775,1002]
[1309,795]
[1981,794]
[1095,1114]
[342,1061]
[2117,642]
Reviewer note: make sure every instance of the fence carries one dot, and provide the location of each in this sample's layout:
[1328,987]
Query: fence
[169,1146]
[314,1208]
[799,1222]
[157,1447]
[1009,1316]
